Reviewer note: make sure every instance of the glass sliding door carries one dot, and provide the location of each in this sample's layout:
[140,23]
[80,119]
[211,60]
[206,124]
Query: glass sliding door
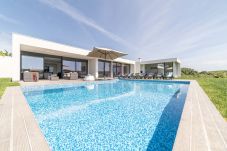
[160,67]
[82,67]
[114,69]
[32,64]
[104,68]
[168,68]
[101,69]
[151,68]
[48,65]
[107,69]
[52,66]
[68,66]
[117,69]
[75,65]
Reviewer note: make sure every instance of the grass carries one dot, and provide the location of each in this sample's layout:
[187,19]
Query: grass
[216,89]
[6,82]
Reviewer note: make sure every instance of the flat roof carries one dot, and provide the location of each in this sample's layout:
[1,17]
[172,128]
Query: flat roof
[161,61]
[36,45]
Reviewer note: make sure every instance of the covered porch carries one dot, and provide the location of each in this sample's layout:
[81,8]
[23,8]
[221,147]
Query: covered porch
[52,62]
[47,58]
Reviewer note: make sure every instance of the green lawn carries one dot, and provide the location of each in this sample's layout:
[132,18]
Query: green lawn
[216,89]
[4,83]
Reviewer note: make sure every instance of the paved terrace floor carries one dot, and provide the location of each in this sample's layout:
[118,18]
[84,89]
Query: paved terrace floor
[201,126]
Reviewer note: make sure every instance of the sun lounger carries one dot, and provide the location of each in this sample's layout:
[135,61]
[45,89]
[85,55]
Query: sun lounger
[169,75]
[159,76]
[142,75]
[150,76]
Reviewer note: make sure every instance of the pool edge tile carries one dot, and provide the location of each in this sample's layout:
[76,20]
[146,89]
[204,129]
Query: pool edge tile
[201,126]
[23,132]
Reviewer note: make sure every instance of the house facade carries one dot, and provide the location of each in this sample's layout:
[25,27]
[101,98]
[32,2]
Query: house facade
[161,66]
[44,57]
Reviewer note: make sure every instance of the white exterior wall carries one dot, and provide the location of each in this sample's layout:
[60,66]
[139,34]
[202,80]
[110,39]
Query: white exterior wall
[6,67]
[176,69]
[93,67]
[132,68]
[142,68]
[137,67]
[16,58]
[10,67]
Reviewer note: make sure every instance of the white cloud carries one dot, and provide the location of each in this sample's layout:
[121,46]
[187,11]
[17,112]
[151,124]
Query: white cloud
[5,41]
[79,17]
[8,19]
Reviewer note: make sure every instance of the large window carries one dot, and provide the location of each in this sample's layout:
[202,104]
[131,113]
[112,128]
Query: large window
[47,65]
[151,68]
[168,68]
[117,69]
[52,65]
[68,66]
[160,68]
[32,63]
[104,68]
[81,67]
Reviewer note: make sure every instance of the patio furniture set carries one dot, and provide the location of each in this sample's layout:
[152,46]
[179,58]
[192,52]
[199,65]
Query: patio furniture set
[34,76]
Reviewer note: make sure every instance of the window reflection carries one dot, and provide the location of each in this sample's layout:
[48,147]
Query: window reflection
[81,67]
[104,72]
[160,68]
[168,68]
[117,69]
[68,66]
[32,63]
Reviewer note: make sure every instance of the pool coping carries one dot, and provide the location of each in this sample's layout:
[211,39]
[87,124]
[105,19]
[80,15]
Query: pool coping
[19,128]
[201,126]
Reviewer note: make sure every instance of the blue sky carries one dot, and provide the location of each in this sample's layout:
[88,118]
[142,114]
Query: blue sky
[193,30]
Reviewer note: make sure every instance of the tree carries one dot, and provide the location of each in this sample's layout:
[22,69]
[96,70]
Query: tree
[189,71]
[5,53]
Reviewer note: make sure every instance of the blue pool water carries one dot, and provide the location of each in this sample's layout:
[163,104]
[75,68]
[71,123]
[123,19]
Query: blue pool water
[116,115]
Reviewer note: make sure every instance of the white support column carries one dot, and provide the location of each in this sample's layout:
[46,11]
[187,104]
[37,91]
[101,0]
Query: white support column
[137,65]
[132,68]
[93,67]
[176,69]
[122,69]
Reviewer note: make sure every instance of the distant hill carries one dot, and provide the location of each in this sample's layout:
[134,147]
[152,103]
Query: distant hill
[212,74]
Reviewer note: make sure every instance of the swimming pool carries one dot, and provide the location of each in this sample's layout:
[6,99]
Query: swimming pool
[115,115]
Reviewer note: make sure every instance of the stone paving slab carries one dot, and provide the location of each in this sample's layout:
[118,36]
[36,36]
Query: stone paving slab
[19,130]
[201,126]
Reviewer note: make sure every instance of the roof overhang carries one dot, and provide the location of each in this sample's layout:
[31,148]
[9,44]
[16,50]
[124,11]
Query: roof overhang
[161,61]
[35,45]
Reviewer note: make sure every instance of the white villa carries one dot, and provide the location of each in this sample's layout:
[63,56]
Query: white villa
[46,57]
